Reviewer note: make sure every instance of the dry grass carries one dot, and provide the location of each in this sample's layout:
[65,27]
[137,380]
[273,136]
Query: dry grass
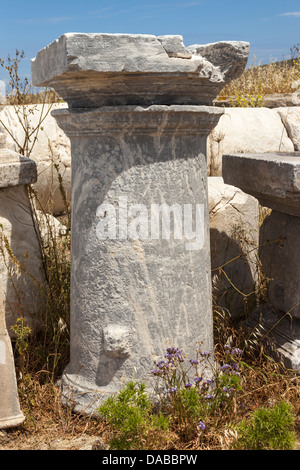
[50,425]
[272,78]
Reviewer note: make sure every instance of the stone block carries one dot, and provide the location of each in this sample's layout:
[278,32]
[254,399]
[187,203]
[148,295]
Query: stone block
[272,178]
[290,117]
[246,130]
[280,255]
[52,147]
[120,69]
[19,243]
[234,233]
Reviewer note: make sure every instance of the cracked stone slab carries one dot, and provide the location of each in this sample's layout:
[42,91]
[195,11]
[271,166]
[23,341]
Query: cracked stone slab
[272,178]
[91,70]
[16,169]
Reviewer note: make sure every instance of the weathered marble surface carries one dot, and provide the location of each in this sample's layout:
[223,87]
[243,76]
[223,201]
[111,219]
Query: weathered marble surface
[116,69]
[272,178]
[138,127]
[280,257]
[234,233]
[10,412]
[16,169]
[246,130]
[131,299]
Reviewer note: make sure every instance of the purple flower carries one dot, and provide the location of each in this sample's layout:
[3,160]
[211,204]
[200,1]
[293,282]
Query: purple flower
[201,425]
[208,397]
[237,352]
[197,379]
[188,385]
[225,367]
[205,354]
[193,361]
[173,390]
[156,372]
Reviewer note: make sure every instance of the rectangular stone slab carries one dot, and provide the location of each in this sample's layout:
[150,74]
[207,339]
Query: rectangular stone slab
[119,69]
[272,178]
[16,169]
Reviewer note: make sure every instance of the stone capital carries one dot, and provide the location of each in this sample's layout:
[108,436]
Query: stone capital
[138,120]
[91,70]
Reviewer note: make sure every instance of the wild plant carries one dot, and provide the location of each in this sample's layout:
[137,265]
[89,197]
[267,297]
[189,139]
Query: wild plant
[130,415]
[49,345]
[20,97]
[268,429]
[191,389]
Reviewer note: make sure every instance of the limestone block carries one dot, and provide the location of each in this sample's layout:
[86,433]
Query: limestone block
[280,254]
[23,288]
[15,169]
[49,226]
[51,147]
[291,119]
[234,217]
[117,69]
[246,130]
[10,411]
[273,178]
[282,329]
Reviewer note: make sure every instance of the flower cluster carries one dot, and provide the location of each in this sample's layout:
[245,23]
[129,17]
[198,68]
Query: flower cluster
[186,383]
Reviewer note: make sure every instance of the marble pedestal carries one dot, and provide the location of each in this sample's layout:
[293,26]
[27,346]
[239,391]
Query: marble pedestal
[15,172]
[139,290]
[274,179]
[138,119]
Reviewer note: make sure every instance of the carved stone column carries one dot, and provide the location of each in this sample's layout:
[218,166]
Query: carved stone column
[138,124]
[15,172]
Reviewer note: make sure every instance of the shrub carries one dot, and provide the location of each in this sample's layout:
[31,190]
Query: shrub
[268,429]
[133,424]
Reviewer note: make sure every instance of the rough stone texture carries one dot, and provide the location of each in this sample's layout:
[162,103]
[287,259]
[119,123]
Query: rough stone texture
[229,56]
[273,178]
[130,299]
[246,130]
[10,412]
[23,295]
[19,295]
[91,70]
[138,130]
[281,331]
[51,147]
[291,120]
[280,255]
[234,233]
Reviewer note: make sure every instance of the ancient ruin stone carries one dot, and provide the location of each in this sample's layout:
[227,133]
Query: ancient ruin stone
[90,70]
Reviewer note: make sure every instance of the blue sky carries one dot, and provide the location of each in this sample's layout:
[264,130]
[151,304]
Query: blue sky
[271,26]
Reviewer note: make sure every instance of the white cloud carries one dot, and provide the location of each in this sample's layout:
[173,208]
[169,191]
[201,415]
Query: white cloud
[294,13]
[56,19]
